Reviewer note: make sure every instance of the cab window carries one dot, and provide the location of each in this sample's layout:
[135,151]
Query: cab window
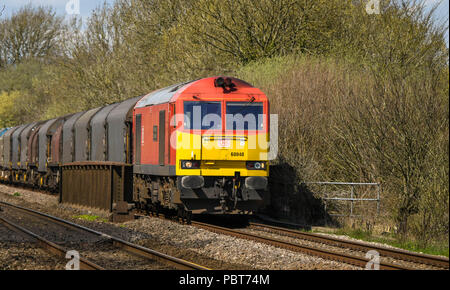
[203,115]
[244,116]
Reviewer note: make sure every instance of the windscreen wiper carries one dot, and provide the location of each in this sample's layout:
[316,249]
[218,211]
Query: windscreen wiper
[246,105]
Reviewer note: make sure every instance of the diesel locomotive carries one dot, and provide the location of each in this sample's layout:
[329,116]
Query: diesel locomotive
[196,147]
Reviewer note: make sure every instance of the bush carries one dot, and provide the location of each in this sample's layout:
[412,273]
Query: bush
[341,122]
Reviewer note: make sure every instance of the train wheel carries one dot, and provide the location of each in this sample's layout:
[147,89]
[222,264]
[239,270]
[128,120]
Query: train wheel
[188,217]
[184,216]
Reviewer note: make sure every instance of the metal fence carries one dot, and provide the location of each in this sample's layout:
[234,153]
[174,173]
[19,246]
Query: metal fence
[351,196]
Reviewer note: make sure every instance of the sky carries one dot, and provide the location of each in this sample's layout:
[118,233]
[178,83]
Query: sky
[86,7]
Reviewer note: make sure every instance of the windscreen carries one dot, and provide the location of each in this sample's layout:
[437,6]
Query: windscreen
[203,115]
[244,116]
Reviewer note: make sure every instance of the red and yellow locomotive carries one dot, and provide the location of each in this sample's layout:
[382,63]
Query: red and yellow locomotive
[195,147]
[210,139]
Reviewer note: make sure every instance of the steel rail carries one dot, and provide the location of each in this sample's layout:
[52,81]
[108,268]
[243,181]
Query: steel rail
[49,246]
[179,264]
[359,246]
[329,255]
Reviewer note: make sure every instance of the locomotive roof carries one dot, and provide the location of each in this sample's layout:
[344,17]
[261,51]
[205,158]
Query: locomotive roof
[205,85]
[161,96]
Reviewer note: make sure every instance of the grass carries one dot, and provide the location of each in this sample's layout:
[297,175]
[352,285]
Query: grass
[16,194]
[91,218]
[441,249]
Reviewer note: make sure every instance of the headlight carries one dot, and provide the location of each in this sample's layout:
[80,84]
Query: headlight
[190,164]
[256,165]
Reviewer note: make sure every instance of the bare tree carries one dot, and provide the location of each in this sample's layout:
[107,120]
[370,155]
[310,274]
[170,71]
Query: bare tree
[30,33]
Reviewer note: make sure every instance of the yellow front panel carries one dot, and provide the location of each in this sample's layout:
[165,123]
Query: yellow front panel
[221,155]
[253,147]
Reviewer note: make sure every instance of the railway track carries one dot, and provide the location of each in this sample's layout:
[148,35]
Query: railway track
[119,243]
[403,255]
[323,253]
[48,245]
[417,258]
[356,260]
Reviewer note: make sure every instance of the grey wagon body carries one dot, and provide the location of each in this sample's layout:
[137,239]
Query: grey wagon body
[68,150]
[81,135]
[117,130]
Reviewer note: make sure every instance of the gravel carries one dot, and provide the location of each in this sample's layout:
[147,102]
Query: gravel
[18,252]
[251,254]
[187,242]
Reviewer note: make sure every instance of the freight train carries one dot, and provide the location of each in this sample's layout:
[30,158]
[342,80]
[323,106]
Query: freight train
[196,147]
